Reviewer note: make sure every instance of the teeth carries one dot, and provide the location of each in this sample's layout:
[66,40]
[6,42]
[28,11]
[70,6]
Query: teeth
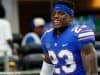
[57,21]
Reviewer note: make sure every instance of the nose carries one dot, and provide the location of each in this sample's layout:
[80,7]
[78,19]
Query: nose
[56,16]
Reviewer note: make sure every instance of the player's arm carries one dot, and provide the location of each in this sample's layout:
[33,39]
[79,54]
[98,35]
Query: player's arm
[89,59]
[9,38]
[47,67]
[10,43]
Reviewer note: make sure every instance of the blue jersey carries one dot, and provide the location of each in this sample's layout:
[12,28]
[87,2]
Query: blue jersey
[65,50]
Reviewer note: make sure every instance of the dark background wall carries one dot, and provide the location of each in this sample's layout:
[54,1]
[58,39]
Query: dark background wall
[28,9]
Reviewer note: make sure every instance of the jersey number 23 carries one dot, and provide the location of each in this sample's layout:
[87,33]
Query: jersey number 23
[69,60]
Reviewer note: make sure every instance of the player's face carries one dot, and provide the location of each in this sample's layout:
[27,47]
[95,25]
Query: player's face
[60,19]
[39,30]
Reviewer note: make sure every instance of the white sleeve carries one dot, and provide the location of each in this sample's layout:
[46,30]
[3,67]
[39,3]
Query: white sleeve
[7,31]
[47,69]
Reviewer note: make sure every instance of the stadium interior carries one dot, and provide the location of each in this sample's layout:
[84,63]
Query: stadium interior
[21,12]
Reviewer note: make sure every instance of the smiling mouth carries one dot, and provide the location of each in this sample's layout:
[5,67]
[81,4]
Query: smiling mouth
[57,22]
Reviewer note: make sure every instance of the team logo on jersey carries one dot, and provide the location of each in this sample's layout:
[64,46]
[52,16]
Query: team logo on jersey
[65,44]
[55,44]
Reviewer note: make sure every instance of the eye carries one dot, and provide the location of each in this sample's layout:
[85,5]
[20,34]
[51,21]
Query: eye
[58,12]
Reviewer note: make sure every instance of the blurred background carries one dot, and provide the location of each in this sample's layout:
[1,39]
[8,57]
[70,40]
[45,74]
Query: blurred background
[21,15]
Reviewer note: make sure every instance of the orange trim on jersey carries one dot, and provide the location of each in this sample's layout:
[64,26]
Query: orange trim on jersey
[85,30]
[87,37]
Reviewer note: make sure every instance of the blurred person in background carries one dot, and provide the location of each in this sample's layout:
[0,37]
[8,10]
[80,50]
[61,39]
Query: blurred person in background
[37,26]
[89,21]
[31,45]
[6,38]
[68,48]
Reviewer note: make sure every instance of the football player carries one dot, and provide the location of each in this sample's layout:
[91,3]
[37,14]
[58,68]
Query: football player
[68,48]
